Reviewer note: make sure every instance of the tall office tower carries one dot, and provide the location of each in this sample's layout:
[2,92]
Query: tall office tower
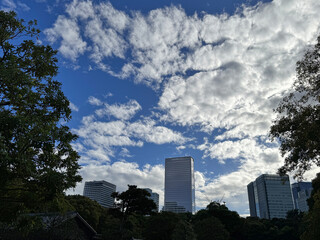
[301,191]
[270,196]
[179,187]
[101,192]
[154,196]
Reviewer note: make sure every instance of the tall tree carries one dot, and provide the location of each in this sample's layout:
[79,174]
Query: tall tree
[37,160]
[298,124]
[134,200]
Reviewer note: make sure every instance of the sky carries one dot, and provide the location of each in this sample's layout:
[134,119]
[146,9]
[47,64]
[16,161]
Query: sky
[149,80]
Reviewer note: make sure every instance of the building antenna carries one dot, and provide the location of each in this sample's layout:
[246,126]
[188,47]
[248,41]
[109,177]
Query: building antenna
[220,201]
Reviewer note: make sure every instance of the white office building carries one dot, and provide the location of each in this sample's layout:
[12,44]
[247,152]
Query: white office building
[270,196]
[100,191]
[154,196]
[179,193]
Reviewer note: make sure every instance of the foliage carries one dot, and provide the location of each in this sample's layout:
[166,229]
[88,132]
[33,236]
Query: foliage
[298,124]
[230,219]
[88,209]
[183,231]
[211,228]
[37,160]
[134,200]
[312,219]
[161,226]
[315,189]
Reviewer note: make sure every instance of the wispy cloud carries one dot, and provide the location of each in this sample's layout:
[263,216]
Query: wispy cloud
[73,107]
[120,111]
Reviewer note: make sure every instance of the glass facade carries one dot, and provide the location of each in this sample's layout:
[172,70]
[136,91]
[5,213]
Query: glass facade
[100,191]
[301,191]
[179,193]
[272,196]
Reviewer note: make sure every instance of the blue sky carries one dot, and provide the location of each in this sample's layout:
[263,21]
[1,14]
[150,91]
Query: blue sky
[149,80]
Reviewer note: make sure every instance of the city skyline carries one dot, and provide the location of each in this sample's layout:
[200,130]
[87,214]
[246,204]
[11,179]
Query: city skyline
[150,80]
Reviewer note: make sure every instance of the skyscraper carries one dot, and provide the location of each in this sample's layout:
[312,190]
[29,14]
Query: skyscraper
[100,191]
[270,196]
[301,191]
[154,196]
[179,187]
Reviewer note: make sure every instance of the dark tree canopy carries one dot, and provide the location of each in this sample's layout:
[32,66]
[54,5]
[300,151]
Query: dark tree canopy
[298,124]
[37,160]
[134,200]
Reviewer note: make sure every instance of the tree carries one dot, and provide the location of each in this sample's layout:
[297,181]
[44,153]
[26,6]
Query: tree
[297,126]
[211,228]
[134,200]
[315,189]
[37,160]
[161,226]
[183,231]
[230,219]
[89,210]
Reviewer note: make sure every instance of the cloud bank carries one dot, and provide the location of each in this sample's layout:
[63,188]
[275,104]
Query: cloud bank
[215,72]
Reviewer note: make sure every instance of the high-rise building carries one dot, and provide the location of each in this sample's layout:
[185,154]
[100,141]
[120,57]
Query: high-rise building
[179,187]
[154,196]
[270,196]
[100,191]
[301,191]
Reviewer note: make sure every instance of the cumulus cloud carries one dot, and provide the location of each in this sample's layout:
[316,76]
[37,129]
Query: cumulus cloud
[101,138]
[123,173]
[120,111]
[222,73]
[72,45]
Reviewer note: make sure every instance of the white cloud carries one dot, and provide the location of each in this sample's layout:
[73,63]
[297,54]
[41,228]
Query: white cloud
[94,101]
[150,132]
[214,72]
[123,173]
[106,41]
[100,139]
[80,9]
[72,45]
[8,5]
[117,20]
[23,6]
[73,107]
[120,111]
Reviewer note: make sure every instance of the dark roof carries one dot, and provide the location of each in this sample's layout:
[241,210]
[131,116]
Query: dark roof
[50,218]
